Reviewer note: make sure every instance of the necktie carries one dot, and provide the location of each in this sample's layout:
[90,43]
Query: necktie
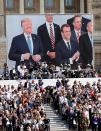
[29,44]
[52,37]
[69,48]
[78,36]
[91,39]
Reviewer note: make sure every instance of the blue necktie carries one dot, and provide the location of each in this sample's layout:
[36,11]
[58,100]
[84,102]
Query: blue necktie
[29,44]
[69,48]
[91,39]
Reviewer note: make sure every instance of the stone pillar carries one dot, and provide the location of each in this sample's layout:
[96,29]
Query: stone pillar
[2,26]
[3,52]
[41,6]
[21,9]
[1,7]
[81,6]
[62,10]
[89,6]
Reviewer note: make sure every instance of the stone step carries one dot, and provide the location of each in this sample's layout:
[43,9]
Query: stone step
[58,129]
[56,123]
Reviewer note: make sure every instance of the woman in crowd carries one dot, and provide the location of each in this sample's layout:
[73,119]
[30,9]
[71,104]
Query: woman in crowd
[21,109]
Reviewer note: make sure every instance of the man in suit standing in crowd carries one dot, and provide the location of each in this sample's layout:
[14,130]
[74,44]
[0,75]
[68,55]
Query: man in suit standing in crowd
[84,22]
[26,47]
[85,46]
[77,31]
[50,35]
[66,50]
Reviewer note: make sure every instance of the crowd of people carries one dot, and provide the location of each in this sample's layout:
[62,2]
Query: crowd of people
[55,52]
[42,70]
[21,108]
[79,105]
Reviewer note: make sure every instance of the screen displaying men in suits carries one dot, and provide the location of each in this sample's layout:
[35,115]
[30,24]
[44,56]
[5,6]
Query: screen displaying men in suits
[26,47]
[51,42]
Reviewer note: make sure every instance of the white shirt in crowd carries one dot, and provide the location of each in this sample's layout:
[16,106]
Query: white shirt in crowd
[63,99]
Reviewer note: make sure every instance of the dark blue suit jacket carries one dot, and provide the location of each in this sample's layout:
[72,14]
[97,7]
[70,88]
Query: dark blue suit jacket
[74,38]
[19,46]
[86,51]
[63,54]
[45,38]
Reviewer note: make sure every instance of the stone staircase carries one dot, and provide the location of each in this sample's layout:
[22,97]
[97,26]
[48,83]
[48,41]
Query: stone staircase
[56,123]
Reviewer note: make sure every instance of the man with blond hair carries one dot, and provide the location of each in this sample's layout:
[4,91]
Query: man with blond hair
[27,46]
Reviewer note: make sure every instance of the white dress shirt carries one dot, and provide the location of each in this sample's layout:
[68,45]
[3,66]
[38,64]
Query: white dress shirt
[26,37]
[67,42]
[76,32]
[30,37]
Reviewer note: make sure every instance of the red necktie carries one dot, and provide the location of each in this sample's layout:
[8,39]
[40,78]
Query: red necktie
[78,36]
[52,37]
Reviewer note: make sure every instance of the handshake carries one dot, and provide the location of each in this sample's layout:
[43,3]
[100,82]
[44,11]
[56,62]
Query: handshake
[27,56]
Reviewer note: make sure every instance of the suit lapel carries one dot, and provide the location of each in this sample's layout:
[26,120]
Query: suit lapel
[82,32]
[46,30]
[89,41]
[24,42]
[65,48]
[74,36]
[55,30]
[47,36]
[34,42]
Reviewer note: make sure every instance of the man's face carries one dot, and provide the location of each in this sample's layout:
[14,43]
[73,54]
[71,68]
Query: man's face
[90,27]
[66,33]
[77,23]
[27,26]
[49,18]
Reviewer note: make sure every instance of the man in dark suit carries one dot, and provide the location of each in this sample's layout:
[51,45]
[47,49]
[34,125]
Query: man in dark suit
[66,50]
[85,45]
[26,47]
[84,22]
[77,31]
[50,35]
